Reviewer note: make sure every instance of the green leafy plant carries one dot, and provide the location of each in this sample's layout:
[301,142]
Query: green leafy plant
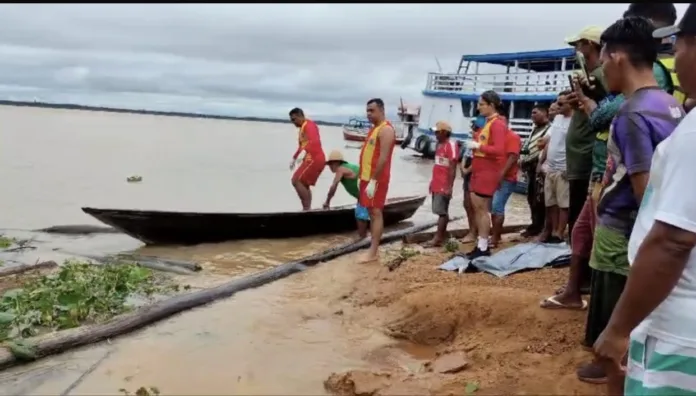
[76,294]
[406,253]
[451,246]
[142,391]
[6,242]
[471,387]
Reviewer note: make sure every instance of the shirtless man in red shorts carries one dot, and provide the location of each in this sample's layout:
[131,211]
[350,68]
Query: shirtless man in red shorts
[313,162]
[375,172]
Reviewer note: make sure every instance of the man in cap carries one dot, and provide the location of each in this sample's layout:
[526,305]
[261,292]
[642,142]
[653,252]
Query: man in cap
[580,140]
[444,172]
[346,174]
[653,321]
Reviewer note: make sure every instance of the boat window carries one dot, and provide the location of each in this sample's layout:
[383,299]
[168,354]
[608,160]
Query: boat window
[523,109]
[467,107]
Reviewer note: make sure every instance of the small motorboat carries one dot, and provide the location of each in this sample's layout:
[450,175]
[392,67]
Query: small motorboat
[356,130]
[190,228]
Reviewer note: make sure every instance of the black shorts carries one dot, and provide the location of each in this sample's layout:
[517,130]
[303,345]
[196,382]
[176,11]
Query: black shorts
[606,288]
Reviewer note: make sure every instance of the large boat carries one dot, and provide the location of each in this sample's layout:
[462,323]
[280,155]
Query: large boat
[189,228]
[522,79]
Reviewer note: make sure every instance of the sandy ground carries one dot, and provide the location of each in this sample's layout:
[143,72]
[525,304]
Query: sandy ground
[490,332]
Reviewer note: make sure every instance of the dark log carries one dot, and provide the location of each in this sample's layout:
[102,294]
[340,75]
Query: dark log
[458,233]
[65,340]
[18,269]
[191,266]
[79,229]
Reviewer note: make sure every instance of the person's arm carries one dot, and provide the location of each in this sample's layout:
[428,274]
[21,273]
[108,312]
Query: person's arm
[689,104]
[633,137]
[542,158]
[452,174]
[601,118]
[513,153]
[497,138]
[386,141]
[664,252]
[341,172]
[299,146]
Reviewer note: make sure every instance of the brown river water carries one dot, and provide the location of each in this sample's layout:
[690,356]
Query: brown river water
[283,338]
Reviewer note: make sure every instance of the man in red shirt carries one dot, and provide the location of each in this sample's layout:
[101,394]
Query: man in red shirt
[444,172]
[507,185]
[313,162]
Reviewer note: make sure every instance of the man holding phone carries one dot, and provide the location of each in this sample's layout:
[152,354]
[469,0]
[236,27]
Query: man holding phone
[580,139]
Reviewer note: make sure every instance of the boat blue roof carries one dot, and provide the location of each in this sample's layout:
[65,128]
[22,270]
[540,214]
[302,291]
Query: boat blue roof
[508,57]
[545,60]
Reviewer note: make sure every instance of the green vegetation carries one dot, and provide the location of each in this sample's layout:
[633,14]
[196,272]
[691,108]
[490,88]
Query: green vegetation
[406,253]
[451,246]
[142,391]
[78,293]
[471,387]
[6,242]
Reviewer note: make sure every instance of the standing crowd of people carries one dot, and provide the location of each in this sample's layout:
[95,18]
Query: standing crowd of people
[610,162]
[613,166]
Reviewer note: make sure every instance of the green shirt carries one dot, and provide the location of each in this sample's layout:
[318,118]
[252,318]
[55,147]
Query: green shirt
[351,185]
[580,140]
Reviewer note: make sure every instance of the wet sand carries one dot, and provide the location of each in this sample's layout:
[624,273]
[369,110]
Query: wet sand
[346,325]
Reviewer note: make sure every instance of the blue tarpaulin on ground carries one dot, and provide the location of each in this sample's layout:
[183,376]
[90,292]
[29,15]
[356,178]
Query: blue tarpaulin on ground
[524,256]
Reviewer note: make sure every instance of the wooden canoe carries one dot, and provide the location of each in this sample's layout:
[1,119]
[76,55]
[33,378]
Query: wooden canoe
[190,228]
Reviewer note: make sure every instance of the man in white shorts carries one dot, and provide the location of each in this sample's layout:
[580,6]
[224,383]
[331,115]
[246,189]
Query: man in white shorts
[556,187]
[656,314]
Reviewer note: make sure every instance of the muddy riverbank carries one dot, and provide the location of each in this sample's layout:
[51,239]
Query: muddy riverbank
[341,328]
[486,335]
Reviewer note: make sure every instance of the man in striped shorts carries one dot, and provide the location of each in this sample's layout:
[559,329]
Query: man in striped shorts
[656,313]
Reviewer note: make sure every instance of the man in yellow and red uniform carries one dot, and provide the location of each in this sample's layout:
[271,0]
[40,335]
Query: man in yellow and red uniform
[375,171]
[313,162]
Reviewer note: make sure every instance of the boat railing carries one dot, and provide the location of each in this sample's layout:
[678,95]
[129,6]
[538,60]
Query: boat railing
[521,83]
[521,126]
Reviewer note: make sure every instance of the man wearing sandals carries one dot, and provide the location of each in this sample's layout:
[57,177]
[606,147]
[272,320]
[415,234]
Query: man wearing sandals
[647,117]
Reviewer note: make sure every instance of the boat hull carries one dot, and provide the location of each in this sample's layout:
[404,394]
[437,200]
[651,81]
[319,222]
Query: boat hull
[182,228]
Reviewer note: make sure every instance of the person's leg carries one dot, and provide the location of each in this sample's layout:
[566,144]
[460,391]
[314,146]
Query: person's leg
[481,207]
[472,235]
[581,247]
[563,198]
[531,203]
[304,193]
[500,198]
[440,208]
[609,255]
[577,194]
[362,217]
[375,205]
[550,204]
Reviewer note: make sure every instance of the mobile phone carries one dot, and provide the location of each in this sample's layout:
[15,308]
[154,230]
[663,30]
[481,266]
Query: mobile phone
[580,59]
[570,81]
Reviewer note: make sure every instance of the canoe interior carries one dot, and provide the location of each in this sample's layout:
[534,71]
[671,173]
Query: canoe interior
[187,228]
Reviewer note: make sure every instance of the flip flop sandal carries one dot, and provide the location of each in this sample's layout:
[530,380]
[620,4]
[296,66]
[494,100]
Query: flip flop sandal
[552,303]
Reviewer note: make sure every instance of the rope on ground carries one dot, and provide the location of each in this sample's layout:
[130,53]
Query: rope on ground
[65,340]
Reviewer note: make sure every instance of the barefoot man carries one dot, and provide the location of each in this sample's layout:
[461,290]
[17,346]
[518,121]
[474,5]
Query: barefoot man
[312,164]
[375,170]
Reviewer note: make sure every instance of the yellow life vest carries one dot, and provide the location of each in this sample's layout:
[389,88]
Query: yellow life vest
[367,154]
[484,136]
[668,64]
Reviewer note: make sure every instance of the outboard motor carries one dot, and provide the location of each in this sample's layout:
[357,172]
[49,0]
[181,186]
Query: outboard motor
[409,137]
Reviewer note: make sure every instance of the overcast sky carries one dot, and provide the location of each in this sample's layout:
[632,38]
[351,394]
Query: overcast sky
[261,60]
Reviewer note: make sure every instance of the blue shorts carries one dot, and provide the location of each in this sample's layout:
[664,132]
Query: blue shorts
[361,213]
[501,196]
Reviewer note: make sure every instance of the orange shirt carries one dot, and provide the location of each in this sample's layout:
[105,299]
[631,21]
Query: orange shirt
[513,145]
[308,140]
[370,153]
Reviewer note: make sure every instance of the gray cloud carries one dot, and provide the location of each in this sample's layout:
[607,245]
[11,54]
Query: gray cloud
[261,59]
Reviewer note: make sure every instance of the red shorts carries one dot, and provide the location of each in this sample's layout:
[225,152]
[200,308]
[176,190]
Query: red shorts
[484,182]
[582,235]
[308,172]
[380,198]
